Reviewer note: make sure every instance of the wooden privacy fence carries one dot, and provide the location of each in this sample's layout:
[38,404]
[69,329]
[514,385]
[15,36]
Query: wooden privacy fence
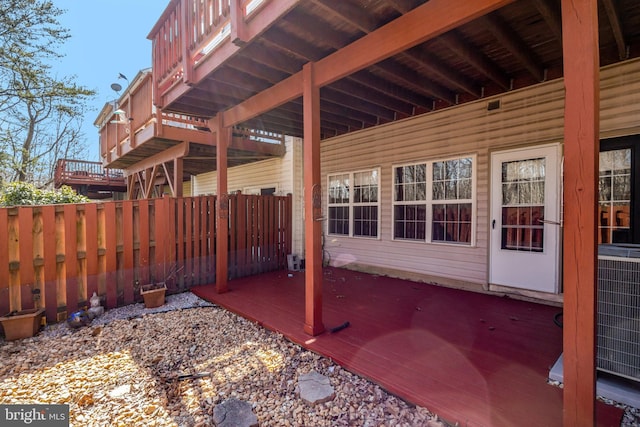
[56,256]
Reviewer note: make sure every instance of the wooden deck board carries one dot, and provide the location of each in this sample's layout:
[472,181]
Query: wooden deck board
[471,358]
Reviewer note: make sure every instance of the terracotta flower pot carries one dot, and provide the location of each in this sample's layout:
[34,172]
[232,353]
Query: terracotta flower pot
[153,294]
[22,324]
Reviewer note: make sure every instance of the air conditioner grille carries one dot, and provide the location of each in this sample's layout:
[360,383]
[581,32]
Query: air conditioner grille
[619,316]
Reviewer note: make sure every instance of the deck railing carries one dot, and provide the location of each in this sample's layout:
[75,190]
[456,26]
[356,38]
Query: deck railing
[72,172]
[56,256]
[189,30]
[139,112]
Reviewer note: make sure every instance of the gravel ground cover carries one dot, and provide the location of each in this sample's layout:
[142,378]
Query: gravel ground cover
[171,365]
[131,367]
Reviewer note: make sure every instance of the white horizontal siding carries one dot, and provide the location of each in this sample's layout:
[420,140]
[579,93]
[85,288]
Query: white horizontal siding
[526,117]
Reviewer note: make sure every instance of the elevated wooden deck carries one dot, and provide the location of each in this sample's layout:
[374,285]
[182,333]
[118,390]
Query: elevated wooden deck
[88,178]
[475,359]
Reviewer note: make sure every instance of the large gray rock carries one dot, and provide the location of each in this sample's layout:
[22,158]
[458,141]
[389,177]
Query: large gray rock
[315,388]
[234,413]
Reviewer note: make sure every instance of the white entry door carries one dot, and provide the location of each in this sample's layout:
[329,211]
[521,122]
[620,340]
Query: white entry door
[524,222]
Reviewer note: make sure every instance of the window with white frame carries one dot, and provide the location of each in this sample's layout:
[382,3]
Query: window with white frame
[353,205]
[433,201]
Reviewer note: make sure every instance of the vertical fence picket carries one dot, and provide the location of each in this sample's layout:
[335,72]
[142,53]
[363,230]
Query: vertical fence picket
[50,262]
[202,237]
[4,263]
[233,237]
[212,220]
[170,231]
[91,247]
[144,242]
[71,256]
[111,255]
[188,233]
[180,242]
[160,239]
[25,234]
[127,247]
[197,256]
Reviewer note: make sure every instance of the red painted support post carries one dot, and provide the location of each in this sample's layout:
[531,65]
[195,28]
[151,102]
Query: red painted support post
[581,146]
[223,136]
[312,204]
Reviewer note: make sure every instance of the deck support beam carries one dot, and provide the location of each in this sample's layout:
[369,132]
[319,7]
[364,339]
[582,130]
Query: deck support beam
[581,148]
[223,135]
[312,203]
[178,170]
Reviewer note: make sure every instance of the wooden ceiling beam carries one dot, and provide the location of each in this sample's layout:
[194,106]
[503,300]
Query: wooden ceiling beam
[385,86]
[241,79]
[402,6]
[410,29]
[273,58]
[307,23]
[263,72]
[371,95]
[340,109]
[260,123]
[356,103]
[256,147]
[350,13]
[435,66]
[177,151]
[551,15]
[294,110]
[415,80]
[473,55]
[514,44]
[295,45]
[616,27]
[336,40]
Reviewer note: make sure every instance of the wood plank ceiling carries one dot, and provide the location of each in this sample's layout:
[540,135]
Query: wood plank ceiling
[514,47]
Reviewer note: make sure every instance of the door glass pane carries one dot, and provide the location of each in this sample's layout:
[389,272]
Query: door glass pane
[523,205]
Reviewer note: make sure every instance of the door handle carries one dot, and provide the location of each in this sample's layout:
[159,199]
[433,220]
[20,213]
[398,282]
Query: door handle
[493,224]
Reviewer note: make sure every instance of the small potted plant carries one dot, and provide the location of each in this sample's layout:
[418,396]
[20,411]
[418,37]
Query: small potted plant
[20,324]
[154,293]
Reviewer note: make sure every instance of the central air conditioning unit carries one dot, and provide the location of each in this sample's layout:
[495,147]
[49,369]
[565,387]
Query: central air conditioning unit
[619,310]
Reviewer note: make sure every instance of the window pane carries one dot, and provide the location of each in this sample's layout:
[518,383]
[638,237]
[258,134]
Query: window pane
[409,222]
[438,171]
[339,189]
[452,223]
[438,191]
[339,220]
[365,221]
[464,189]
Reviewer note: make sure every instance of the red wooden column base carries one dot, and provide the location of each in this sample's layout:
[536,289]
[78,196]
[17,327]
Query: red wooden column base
[313,204]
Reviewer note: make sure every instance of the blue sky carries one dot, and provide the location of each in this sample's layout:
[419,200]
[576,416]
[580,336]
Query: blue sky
[107,38]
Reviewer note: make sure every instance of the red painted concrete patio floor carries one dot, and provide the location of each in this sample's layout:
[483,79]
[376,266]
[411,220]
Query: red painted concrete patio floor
[471,358]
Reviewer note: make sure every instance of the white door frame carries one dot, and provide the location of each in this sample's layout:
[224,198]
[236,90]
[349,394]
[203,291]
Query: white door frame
[533,271]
